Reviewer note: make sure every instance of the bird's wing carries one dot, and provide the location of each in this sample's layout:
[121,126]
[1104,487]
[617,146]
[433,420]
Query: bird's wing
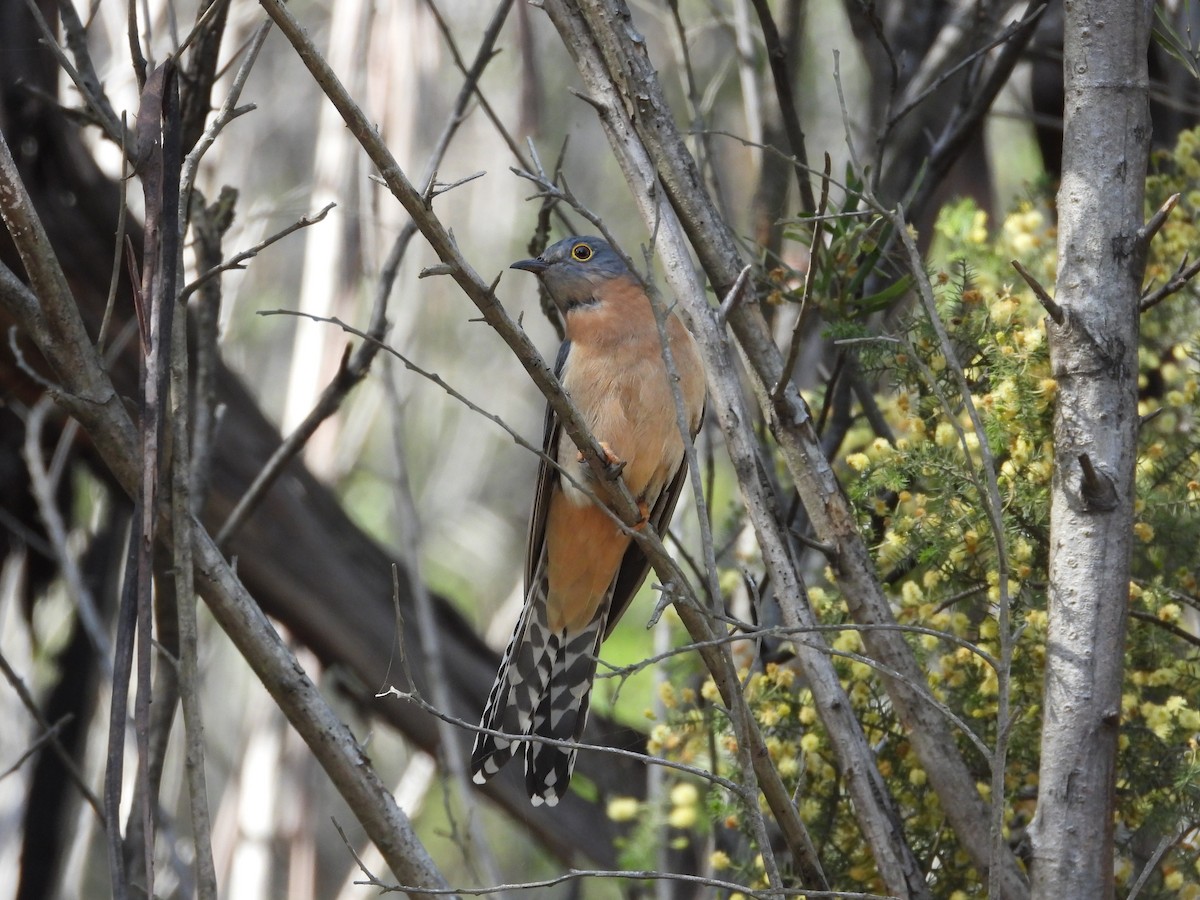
[634,565]
[547,474]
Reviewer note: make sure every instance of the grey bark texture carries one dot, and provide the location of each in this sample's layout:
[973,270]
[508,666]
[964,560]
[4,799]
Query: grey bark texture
[1101,252]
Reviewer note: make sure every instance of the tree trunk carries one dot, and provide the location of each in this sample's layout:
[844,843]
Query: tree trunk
[1094,357]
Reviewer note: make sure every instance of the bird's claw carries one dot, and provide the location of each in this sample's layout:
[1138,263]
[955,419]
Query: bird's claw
[610,458]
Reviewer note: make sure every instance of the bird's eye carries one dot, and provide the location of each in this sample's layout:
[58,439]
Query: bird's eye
[581,252]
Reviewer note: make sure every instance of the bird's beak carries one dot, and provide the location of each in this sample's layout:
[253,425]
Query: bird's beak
[536,266]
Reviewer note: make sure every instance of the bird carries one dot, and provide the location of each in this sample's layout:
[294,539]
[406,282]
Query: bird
[581,569]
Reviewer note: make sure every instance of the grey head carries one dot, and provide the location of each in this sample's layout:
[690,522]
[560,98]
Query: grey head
[574,267]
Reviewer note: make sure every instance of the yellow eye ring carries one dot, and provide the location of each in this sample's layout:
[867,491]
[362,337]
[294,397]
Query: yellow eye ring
[581,252]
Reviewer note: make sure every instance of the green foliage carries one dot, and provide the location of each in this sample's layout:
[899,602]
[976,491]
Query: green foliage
[919,501]
[1179,44]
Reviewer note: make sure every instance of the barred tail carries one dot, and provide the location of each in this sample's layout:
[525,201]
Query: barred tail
[518,687]
[569,665]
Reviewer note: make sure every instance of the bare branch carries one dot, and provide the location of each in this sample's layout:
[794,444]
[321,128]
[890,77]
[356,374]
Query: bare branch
[814,245]
[185,605]
[1147,232]
[651,875]
[46,738]
[787,104]
[1053,309]
[351,371]
[1030,19]
[118,250]
[470,87]
[83,73]
[228,112]
[49,733]
[1181,279]
[235,261]
[44,493]
[437,188]
[1170,627]
[203,20]
[1151,867]
[734,788]
[735,294]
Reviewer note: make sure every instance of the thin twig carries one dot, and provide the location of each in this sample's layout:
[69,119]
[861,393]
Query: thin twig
[44,492]
[748,632]
[470,87]
[185,604]
[1048,303]
[734,295]
[84,77]
[235,262]
[431,644]
[135,46]
[1031,17]
[646,875]
[1147,232]
[1151,867]
[414,697]
[791,160]
[989,491]
[782,77]
[351,371]
[202,21]
[552,191]
[793,354]
[49,730]
[1170,627]
[1182,277]
[228,112]
[437,188]
[118,251]
[46,738]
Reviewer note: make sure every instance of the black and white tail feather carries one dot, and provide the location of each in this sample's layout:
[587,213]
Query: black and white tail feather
[543,689]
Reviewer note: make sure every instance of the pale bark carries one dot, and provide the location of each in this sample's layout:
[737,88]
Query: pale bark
[1101,252]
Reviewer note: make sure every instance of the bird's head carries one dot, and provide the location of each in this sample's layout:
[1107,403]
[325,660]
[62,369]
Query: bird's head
[573,268]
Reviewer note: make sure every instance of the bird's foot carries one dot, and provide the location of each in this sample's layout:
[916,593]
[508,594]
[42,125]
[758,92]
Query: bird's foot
[609,457]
